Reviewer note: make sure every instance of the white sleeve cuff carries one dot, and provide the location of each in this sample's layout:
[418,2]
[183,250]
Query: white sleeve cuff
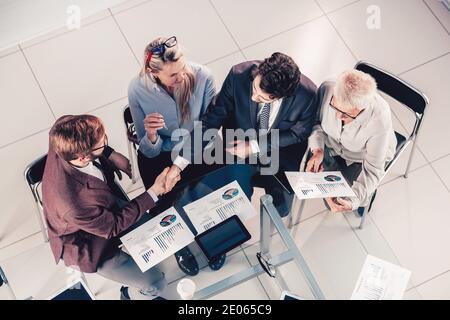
[153,195]
[181,162]
[254,147]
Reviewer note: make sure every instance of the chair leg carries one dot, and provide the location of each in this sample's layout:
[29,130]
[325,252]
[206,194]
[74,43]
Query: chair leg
[292,221]
[363,218]
[4,280]
[408,166]
[132,161]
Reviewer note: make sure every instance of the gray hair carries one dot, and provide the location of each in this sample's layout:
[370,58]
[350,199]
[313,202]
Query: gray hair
[355,88]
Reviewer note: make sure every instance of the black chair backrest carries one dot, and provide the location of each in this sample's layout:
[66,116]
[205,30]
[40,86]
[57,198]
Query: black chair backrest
[127,116]
[395,87]
[36,170]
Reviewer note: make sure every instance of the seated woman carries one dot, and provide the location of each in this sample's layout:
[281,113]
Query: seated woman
[354,135]
[169,93]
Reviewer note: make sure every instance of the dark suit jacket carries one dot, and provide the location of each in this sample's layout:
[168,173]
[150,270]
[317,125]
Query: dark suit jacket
[82,215]
[234,108]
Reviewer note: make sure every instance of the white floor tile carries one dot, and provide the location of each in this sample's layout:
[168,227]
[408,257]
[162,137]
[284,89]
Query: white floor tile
[125,5]
[85,21]
[34,273]
[22,101]
[437,288]
[392,46]
[222,67]
[331,250]
[86,69]
[442,168]
[18,219]
[434,82]
[412,215]
[330,5]
[373,241]
[441,12]
[266,18]
[21,246]
[412,294]
[203,40]
[315,46]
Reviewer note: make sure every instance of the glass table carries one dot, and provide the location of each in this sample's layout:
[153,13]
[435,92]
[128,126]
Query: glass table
[270,222]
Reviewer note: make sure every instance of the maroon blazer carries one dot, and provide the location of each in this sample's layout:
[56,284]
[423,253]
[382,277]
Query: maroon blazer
[82,215]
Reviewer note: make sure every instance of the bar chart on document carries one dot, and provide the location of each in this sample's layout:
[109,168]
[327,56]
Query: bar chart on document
[218,206]
[157,239]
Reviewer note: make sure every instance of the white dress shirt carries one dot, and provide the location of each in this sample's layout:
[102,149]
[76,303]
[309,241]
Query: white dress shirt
[96,172]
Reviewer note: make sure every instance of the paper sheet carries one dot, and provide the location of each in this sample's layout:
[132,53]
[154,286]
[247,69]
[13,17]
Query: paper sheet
[381,280]
[218,206]
[308,185]
[157,239]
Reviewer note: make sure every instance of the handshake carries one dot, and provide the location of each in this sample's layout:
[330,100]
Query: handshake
[166,180]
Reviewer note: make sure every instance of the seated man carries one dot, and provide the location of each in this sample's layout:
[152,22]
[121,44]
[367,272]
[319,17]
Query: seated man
[86,211]
[354,135]
[271,98]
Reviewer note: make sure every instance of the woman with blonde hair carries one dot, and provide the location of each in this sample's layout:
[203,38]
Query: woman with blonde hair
[353,134]
[169,94]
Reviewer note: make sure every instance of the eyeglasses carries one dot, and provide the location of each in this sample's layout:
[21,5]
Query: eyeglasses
[103,146]
[266,265]
[344,113]
[160,49]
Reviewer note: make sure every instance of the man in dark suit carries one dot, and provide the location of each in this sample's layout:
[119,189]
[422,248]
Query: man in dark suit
[273,99]
[86,211]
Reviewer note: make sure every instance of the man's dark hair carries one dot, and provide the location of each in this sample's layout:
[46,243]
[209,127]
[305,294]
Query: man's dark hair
[280,75]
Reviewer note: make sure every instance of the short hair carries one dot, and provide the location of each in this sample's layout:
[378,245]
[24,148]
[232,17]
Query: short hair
[355,88]
[280,75]
[73,136]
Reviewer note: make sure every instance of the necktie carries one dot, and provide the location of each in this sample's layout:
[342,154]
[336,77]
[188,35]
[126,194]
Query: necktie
[264,117]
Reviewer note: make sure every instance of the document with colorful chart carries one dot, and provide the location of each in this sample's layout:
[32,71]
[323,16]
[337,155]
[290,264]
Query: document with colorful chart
[157,239]
[218,206]
[308,185]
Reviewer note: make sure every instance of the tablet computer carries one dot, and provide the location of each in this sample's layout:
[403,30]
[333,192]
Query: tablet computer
[223,237]
[286,295]
[75,290]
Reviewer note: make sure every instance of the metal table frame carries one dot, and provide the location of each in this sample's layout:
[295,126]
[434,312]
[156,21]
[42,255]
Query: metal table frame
[269,219]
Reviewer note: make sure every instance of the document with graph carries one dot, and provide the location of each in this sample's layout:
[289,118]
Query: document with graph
[157,239]
[218,206]
[381,280]
[308,185]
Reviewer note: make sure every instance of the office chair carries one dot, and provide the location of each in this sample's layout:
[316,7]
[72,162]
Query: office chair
[33,176]
[413,100]
[132,141]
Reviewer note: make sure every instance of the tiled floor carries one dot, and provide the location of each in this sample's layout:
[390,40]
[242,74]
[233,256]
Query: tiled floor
[88,71]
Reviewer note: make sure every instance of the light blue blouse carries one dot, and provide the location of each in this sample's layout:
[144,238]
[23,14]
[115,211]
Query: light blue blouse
[145,97]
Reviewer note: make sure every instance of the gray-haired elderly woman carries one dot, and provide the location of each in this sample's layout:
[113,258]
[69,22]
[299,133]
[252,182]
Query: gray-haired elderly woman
[353,135]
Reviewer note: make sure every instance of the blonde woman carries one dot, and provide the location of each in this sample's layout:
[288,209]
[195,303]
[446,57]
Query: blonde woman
[353,134]
[169,93]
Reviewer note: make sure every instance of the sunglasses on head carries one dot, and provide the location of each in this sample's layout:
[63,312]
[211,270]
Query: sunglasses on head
[160,49]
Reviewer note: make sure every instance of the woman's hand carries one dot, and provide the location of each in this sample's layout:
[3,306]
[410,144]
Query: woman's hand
[315,163]
[339,205]
[152,123]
